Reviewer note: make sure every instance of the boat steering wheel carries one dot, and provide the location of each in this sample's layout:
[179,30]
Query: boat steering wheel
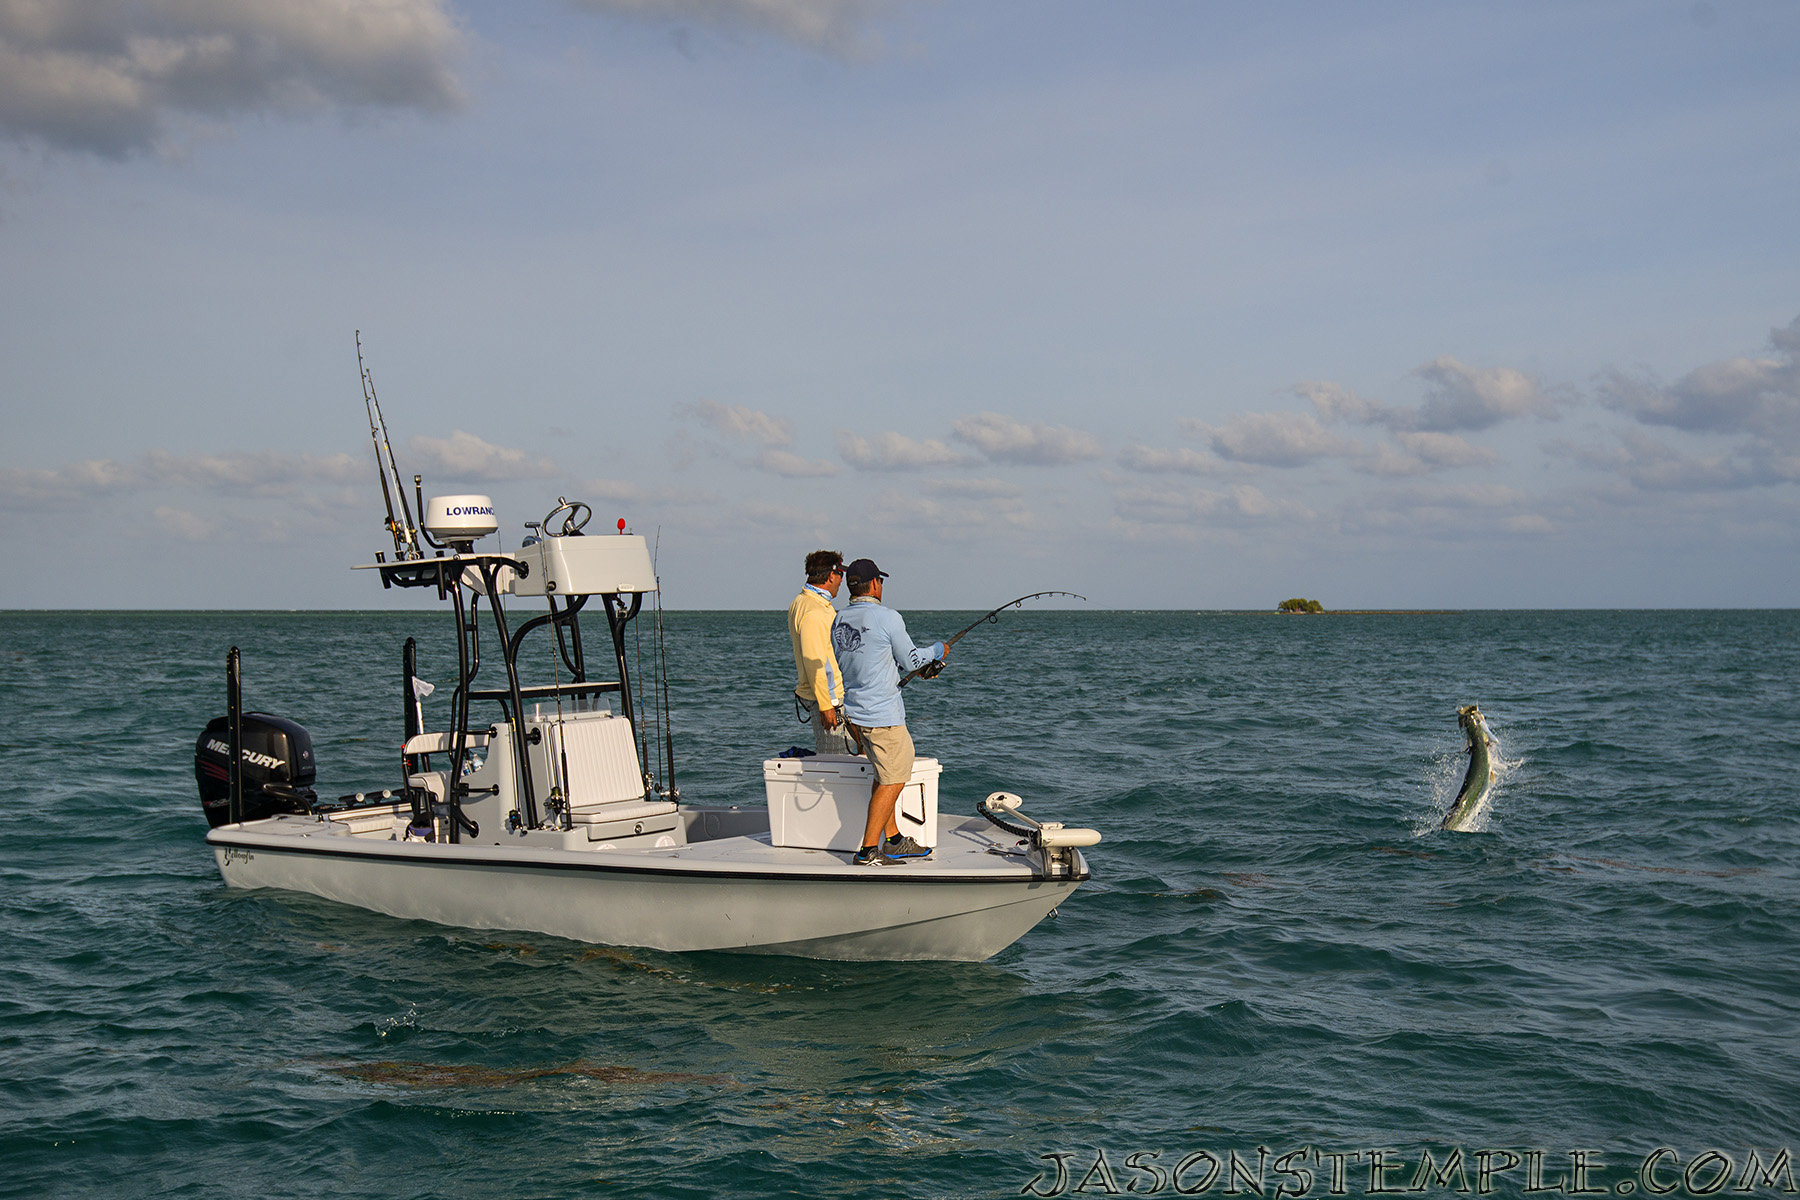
[576,515]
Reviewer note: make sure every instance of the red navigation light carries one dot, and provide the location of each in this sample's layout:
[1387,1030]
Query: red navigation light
[621,524]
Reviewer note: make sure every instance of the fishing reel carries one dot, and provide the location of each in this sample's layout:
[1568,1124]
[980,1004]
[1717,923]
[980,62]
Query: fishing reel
[556,809]
[932,670]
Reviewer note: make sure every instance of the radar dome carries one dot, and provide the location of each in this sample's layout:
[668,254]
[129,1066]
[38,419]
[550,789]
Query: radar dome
[460,518]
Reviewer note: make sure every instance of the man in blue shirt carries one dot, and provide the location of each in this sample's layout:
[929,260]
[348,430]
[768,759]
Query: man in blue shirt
[873,650]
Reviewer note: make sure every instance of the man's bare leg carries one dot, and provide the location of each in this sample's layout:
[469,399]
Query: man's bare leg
[882,799]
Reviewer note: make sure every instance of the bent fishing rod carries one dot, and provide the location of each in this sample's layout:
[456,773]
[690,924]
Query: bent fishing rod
[931,669]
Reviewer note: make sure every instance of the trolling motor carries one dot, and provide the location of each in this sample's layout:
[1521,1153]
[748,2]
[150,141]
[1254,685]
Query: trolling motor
[1053,843]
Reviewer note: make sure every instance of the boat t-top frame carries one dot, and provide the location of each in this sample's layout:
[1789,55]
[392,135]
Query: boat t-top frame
[487,574]
[550,564]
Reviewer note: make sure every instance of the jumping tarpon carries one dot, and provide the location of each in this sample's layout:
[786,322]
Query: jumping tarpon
[1479,780]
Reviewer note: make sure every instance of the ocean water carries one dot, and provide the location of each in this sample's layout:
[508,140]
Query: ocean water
[1282,979]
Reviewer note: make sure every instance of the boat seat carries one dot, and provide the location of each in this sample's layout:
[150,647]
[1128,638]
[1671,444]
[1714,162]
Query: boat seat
[600,814]
[435,782]
[439,743]
[597,752]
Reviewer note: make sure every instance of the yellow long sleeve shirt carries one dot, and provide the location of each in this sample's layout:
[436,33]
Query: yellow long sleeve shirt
[815,663]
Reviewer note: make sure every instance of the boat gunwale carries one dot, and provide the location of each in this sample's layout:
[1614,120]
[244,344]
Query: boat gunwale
[695,869]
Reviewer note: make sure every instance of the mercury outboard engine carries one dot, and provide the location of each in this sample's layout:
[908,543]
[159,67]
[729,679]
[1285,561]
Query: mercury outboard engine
[277,771]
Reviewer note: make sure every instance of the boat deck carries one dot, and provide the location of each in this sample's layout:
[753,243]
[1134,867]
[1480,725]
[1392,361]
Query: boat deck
[734,841]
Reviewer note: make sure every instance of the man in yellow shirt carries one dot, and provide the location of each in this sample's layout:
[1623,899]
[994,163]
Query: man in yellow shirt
[819,690]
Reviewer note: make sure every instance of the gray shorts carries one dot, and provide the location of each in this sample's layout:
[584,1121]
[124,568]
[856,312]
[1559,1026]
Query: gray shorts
[828,741]
[890,748]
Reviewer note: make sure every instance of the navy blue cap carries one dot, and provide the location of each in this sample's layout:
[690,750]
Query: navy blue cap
[863,570]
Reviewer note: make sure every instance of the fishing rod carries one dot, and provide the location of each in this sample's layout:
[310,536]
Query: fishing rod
[672,792]
[931,669]
[405,536]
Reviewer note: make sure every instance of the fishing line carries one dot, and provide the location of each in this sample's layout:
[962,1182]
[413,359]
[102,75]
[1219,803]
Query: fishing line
[933,669]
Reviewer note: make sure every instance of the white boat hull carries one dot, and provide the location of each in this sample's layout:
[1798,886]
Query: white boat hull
[736,894]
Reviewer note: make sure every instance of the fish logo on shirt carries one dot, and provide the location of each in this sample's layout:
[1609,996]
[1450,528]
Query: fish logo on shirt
[846,638]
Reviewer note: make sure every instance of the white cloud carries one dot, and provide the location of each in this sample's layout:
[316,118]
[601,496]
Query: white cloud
[1272,439]
[1387,460]
[1651,464]
[1445,450]
[1283,439]
[249,473]
[1753,402]
[789,465]
[825,24]
[1335,403]
[52,485]
[743,424]
[1419,453]
[1199,507]
[1005,440]
[1179,461]
[109,78]
[897,452]
[955,507]
[257,473]
[1445,511]
[771,436]
[1757,396]
[1463,496]
[1457,397]
[973,489]
[183,524]
[1463,397]
[463,456]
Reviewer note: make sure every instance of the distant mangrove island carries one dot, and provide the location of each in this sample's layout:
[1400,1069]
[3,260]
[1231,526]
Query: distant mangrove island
[1298,604]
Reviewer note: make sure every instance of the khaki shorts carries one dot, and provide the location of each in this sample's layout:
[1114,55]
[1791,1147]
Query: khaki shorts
[891,750]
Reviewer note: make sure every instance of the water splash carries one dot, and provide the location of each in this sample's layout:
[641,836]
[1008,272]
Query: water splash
[406,1020]
[1443,781]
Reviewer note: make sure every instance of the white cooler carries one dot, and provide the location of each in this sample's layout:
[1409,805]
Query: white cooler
[822,802]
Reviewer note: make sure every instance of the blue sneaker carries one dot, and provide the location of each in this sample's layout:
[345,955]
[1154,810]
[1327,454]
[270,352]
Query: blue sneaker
[873,856]
[904,847]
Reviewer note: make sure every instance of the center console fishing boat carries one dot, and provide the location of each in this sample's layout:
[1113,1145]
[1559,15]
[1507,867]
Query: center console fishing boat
[550,805]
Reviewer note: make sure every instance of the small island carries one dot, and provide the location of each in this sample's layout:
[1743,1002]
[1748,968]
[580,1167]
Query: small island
[1298,605]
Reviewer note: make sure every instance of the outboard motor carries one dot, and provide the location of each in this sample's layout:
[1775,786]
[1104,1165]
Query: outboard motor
[277,771]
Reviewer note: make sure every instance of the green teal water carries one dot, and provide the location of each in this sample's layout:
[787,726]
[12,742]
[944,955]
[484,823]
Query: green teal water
[1279,959]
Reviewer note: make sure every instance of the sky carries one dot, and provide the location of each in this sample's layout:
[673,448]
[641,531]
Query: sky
[1172,305]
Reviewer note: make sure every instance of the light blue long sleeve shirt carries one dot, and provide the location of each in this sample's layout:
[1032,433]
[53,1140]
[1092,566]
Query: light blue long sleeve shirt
[873,651]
